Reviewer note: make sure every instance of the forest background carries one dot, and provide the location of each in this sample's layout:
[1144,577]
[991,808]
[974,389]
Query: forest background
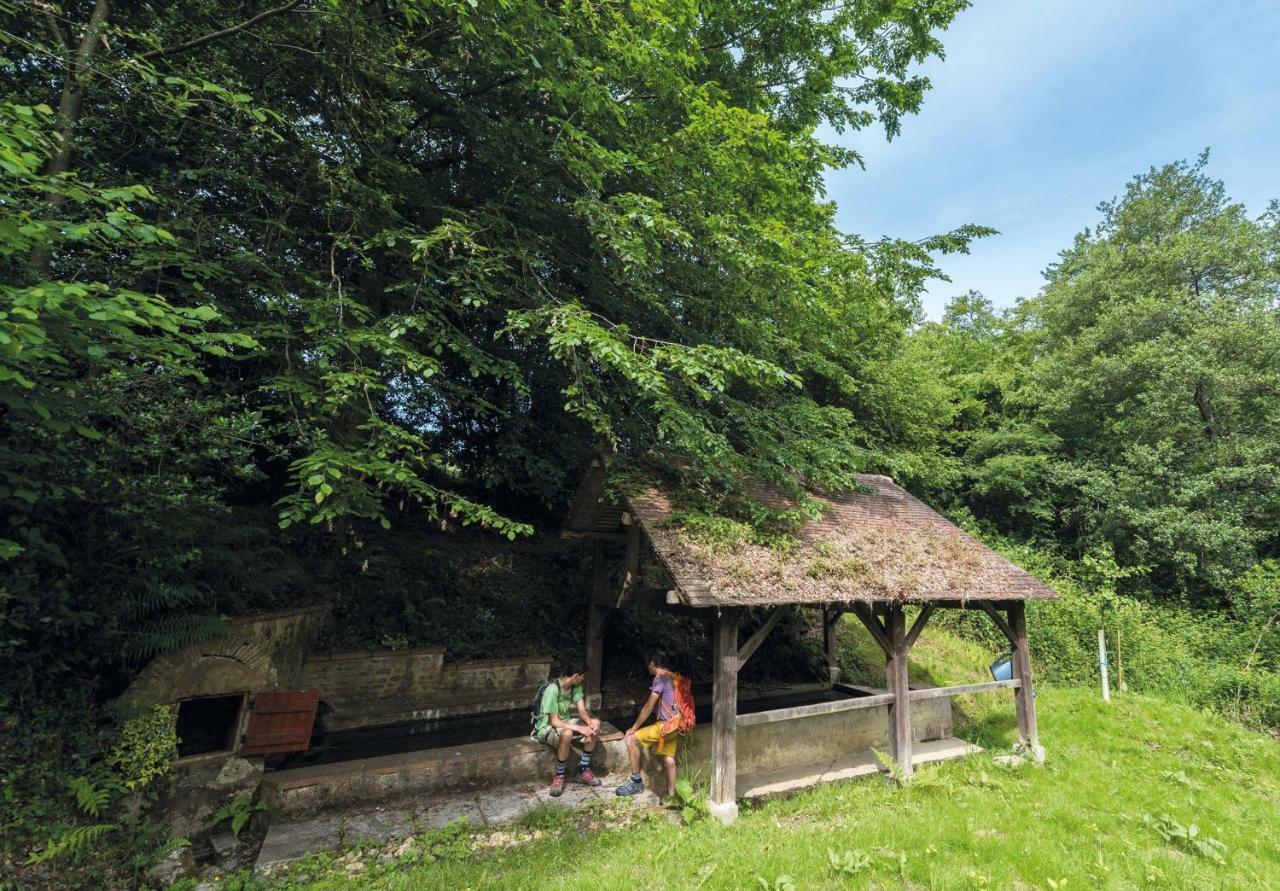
[298,295]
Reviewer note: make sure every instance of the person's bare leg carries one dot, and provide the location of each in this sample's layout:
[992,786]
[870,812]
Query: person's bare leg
[669,765]
[566,741]
[633,750]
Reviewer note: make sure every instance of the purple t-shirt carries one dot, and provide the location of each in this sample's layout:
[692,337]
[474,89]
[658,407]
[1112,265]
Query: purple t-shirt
[666,690]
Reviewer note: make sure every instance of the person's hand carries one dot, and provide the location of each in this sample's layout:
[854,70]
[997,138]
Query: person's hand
[594,724]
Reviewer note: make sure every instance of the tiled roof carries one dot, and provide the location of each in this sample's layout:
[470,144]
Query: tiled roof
[880,544]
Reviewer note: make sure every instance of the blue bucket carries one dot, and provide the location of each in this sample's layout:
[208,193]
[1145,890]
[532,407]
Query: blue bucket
[1002,668]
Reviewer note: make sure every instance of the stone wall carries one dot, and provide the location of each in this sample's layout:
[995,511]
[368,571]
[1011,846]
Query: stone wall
[370,687]
[262,652]
[813,739]
[286,634]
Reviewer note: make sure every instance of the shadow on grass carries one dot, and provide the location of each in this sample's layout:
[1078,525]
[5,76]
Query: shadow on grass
[990,728]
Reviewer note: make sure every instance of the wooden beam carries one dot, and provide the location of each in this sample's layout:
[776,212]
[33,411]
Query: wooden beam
[939,692]
[816,708]
[1024,700]
[989,608]
[896,675]
[863,612]
[754,641]
[916,627]
[969,604]
[724,708]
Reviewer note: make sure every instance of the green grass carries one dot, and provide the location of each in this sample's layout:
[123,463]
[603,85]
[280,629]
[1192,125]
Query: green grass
[1087,816]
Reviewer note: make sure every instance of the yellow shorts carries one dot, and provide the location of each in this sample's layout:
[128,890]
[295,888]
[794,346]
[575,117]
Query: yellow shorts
[647,736]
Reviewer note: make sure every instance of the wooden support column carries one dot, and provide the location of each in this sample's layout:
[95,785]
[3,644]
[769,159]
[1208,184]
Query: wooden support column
[896,672]
[1024,695]
[724,717]
[830,621]
[597,619]
[631,565]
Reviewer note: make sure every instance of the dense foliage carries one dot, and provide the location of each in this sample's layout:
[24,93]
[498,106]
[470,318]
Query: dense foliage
[1130,412]
[325,265]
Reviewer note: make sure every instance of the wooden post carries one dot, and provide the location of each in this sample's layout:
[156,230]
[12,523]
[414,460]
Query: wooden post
[831,621]
[1023,697]
[597,619]
[631,566]
[900,709]
[724,717]
[1102,664]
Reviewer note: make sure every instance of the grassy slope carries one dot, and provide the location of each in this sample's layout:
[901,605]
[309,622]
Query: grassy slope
[965,824]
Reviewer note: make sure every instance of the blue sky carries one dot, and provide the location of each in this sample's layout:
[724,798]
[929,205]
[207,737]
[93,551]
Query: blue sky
[1043,108]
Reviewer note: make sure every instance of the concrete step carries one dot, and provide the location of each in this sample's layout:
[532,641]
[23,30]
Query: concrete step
[289,841]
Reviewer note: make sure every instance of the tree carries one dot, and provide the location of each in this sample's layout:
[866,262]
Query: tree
[1143,409]
[416,256]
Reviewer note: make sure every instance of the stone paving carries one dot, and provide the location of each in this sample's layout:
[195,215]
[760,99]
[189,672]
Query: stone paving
[286,842]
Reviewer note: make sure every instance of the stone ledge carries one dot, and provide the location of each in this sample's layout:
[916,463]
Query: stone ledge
[322,787]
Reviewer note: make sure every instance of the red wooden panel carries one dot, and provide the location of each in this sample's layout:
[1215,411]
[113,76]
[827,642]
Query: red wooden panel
[281,721]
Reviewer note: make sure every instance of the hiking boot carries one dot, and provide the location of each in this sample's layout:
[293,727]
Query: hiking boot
[631,787]
[587,778]
[557,786]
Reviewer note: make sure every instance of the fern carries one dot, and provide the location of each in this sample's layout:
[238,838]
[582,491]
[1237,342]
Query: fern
[72,843]
[96,791]
[172,633]
[892,767]
[141,603]
[91,799]
[239,811]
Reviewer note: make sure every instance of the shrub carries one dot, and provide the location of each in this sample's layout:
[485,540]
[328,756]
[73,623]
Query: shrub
[1204,657]
[147,749]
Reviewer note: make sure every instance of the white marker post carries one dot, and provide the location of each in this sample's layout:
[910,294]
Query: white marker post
[1102,663]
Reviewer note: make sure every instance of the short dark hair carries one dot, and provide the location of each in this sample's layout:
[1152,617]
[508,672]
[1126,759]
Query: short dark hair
[660,659]
[565,669]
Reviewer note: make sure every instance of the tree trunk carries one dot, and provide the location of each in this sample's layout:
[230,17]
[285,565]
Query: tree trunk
[69,108]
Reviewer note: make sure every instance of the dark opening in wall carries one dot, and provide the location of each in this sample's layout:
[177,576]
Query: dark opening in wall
[208,724]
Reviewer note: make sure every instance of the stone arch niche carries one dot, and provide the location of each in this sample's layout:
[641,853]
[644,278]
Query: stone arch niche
[209,685]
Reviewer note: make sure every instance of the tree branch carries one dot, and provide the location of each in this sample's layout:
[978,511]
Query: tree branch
[217,35]
[63,42]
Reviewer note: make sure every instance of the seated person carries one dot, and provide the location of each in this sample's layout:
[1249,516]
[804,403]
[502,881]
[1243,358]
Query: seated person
[555,727]
[662,696]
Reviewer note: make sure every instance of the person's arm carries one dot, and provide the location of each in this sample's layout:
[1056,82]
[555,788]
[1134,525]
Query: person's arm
[649,705]
[585,714]
[573,728]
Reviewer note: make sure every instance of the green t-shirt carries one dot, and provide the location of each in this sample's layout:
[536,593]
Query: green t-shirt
[553,700]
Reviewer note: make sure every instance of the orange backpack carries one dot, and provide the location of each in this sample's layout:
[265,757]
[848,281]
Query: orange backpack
[684,719]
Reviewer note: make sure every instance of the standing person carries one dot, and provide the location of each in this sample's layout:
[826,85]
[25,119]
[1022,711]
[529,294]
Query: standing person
[556,728]
[660,735]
